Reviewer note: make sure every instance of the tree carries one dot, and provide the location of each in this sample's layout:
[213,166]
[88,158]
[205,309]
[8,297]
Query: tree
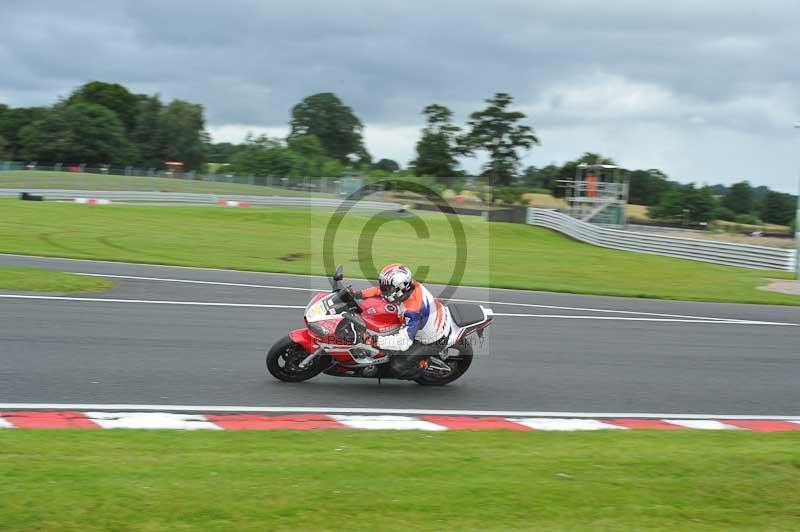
[309,146]
[3,141]
[11,123]
[262,156]
[700,202]
[496,130]
[146,134]
[724,213]
[333,123]
[386,165]
[739,198]
[778,208]
[696,204]
[437,149]
[647,186]
[182,133]
[78,133]
[112,96]
[545,178]
[222,152]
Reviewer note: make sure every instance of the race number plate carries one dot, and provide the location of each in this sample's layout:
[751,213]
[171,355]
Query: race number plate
[318,311]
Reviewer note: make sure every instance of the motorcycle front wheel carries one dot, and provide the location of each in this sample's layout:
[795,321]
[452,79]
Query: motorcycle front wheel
[459,364]
[283,362]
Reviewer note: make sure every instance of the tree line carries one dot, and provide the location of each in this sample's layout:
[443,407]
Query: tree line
[324,132]
[106,124]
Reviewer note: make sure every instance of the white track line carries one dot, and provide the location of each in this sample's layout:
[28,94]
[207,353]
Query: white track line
[620,318]
[485,302]
[377,411]
[583,309]
[260,305]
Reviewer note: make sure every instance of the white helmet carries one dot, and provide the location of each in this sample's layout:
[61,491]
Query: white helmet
[396,282]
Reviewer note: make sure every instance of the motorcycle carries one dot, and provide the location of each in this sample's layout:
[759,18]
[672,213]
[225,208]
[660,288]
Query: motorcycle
[340,332]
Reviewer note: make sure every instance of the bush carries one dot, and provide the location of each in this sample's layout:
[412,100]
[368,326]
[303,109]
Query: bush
[747,219]
[402,184]
[457,186]
[724,213]
[735,229]
[509,195]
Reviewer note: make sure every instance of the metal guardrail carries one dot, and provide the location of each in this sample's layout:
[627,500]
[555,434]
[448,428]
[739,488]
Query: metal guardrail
[744,255]
[182,197]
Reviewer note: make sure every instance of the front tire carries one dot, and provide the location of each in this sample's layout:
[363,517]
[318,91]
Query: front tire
[459,363]
[283,361]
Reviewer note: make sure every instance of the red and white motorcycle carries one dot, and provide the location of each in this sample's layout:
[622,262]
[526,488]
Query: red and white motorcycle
[339,334]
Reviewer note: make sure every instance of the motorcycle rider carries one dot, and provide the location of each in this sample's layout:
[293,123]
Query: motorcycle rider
[427,322]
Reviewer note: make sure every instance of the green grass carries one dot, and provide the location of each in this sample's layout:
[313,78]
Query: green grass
[22,179]
[605,481]
[37,280]
[283,240]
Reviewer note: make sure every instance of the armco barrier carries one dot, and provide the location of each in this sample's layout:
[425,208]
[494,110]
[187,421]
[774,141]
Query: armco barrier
[181,197]
[744,255]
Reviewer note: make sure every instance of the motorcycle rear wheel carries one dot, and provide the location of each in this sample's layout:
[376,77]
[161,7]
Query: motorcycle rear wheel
[283,361]
[460,363]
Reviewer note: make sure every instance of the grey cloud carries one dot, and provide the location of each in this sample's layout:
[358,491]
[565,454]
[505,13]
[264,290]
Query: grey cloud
[727,65]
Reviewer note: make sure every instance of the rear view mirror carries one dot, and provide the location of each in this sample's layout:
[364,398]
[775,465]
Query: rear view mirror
[338,275]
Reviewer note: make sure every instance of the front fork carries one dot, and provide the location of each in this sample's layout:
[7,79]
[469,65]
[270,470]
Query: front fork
[311,358]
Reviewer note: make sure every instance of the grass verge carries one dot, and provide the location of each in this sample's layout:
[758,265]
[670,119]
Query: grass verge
[155,480]
[38,280]
[291,241]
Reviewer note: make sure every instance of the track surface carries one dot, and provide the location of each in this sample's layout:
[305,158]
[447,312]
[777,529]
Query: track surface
[578,357]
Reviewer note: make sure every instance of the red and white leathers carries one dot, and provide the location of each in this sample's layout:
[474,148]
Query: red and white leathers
[426,319]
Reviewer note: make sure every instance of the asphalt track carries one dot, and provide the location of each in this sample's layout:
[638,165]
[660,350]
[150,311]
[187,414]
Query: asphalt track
[161,340]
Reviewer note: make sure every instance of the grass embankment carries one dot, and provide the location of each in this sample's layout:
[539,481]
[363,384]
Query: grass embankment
[34,179]
[121,480]
[37,280]
[290,241]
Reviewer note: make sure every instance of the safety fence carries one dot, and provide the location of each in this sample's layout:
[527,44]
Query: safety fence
[28,175]
[744,255]
[182,197]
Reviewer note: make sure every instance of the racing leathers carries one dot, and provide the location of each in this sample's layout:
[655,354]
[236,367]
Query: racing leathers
[426,323]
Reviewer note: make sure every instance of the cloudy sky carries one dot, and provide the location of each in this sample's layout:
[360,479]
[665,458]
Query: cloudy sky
[707,91]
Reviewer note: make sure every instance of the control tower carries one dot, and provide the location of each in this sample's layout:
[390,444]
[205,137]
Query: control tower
[597,194]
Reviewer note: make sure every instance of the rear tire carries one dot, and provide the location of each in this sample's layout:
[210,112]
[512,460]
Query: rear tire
[460,363]
[283,359]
